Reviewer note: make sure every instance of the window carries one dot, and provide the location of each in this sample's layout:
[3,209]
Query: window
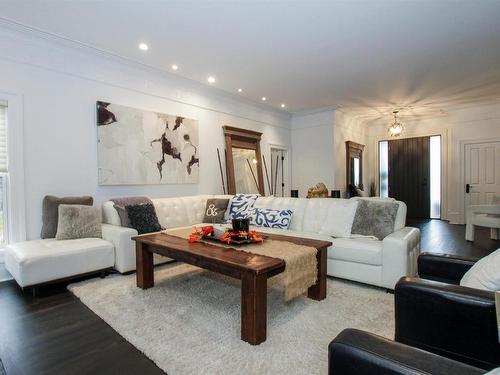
[435,157]
[383,150]
[3,174]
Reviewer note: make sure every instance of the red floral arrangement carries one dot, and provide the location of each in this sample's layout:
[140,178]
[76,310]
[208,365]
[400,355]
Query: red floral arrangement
[228,237]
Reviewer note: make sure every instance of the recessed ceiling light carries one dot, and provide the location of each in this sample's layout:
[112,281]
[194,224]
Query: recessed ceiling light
[143,46]
[283,105]
[211,79]
[240,90]
[264,98]
[174,67]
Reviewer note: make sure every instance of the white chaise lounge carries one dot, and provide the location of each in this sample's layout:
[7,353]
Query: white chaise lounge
[32,263]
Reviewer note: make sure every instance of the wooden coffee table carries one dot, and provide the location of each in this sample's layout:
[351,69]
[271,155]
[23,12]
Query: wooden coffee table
[253,270]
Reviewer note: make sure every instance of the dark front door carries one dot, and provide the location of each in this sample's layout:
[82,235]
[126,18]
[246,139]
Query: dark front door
[409,174]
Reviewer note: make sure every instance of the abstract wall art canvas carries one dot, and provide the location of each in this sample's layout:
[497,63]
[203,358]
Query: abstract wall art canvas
[144,147]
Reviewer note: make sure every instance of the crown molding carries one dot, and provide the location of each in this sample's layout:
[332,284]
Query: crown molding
[66,42]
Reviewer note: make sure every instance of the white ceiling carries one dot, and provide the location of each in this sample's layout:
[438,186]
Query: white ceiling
[307,54]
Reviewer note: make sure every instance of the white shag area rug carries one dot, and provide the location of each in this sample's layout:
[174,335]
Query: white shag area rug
[189,323]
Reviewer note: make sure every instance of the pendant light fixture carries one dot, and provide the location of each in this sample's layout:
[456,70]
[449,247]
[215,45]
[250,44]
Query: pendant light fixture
[396,128]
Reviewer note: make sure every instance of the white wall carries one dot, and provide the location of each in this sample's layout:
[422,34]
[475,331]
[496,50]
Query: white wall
[456,126]
[348,128]
[312,150]
[59,86]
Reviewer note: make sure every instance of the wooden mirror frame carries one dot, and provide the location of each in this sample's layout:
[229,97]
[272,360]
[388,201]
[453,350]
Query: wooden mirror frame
[246,139]
[353,150]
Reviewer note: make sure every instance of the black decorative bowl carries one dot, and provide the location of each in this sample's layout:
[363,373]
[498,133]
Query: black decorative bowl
[241,225]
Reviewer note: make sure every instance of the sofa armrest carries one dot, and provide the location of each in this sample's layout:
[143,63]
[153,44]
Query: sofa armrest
[449,320]
[355,352]
[400,251]
[124,246]
[443,267]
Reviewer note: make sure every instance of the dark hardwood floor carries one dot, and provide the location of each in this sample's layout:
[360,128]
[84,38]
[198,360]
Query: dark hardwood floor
[55,333]
[438,236]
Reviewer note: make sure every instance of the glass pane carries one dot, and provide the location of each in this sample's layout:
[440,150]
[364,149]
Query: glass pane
[384,168]
[435,143]
[356,171]
[2,211]
[245,171]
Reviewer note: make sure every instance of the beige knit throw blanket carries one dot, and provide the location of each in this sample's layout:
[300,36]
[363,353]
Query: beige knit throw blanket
[301,263]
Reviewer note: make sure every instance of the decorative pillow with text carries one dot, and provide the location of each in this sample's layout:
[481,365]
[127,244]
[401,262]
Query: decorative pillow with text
[215,210]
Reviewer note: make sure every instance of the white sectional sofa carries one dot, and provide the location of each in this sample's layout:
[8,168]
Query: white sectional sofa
[370,261]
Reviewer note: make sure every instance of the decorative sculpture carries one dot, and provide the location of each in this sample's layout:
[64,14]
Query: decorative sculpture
[318,191]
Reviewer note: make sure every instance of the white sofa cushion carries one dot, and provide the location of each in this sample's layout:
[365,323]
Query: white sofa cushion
[485,274]
[338,222]
[180,211]
[359,250]
[39,261]
[315,214]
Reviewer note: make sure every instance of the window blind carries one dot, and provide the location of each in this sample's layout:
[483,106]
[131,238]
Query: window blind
[3,138]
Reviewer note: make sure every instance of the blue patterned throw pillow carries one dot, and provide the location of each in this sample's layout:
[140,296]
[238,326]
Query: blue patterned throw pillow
[266,217]
[241,204]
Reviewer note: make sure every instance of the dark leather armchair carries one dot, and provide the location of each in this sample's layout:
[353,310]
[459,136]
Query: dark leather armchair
[355,352]
[434,313]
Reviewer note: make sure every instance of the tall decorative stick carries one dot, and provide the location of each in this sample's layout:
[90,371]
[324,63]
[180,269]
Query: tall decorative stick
[227,178]
[282,175]
[267,176]
[253,175]
[276,173]
[221,173]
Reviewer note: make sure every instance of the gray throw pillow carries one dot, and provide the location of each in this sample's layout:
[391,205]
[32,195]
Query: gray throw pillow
[143,218]
[50,212]
[120,205]
[215,210]
[78,221]
[374,218]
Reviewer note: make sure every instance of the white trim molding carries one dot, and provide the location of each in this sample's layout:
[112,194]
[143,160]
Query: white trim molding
[15,185]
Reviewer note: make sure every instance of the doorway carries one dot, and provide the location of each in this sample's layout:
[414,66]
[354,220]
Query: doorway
[482,173]
[410,171]
[278,169]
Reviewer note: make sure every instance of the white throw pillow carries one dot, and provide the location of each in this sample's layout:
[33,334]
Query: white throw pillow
[485,274]
[339,219]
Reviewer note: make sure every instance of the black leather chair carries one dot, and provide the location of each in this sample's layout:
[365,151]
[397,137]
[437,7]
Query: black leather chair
[436,314]
[355,352]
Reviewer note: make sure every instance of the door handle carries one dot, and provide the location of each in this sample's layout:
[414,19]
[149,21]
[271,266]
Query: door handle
[467,188]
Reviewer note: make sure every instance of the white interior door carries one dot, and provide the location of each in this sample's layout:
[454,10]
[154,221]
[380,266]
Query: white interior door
[482,172]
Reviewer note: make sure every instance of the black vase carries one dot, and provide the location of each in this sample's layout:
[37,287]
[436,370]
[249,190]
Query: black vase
[241,225]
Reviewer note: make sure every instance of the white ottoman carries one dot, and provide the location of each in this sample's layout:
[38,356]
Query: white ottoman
[40,261]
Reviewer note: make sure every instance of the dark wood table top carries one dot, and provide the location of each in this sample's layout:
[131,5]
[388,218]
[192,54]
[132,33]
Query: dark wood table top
[242,259]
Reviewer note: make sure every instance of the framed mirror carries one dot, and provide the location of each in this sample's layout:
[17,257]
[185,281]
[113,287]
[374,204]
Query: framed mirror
[243,161]
[354,164]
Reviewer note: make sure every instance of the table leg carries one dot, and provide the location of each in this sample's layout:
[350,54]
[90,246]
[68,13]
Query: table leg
[144,266]
[253,308]
[318,290]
